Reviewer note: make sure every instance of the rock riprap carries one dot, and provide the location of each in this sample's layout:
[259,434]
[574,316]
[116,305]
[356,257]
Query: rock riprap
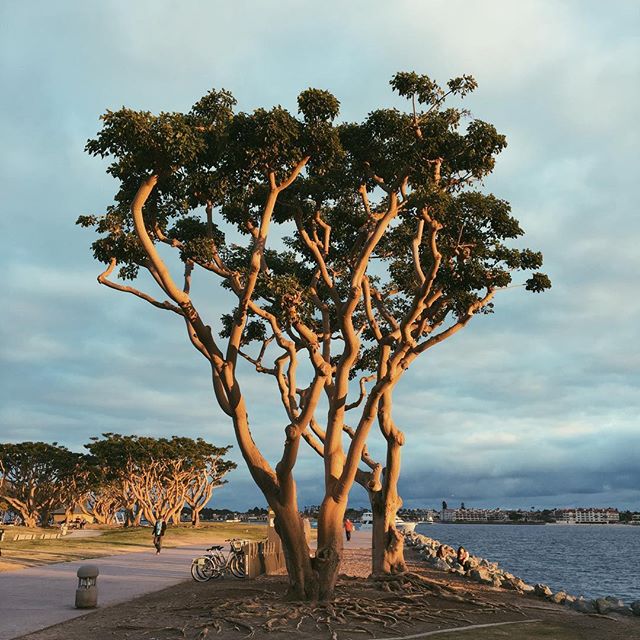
[489,573]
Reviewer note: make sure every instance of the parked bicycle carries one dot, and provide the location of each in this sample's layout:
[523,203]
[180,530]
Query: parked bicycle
[215,563]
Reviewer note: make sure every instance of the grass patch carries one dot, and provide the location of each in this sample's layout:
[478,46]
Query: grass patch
[184,534]
[28,553]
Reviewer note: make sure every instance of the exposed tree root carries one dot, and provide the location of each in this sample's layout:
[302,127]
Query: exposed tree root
[409,598]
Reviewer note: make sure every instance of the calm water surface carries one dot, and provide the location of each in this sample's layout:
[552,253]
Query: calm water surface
[589,560]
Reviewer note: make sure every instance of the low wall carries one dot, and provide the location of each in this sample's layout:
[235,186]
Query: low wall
[263,557]
[267,557]
[7,535]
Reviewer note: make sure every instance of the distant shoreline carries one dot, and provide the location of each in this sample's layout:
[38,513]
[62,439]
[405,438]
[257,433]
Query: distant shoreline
[492,523]
[559,524]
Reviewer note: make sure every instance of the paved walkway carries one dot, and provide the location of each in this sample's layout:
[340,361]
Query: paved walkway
[38,597]
[84,533]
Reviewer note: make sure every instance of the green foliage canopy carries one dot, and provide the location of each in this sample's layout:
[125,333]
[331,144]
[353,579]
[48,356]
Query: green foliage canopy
[213,160]
[37,477]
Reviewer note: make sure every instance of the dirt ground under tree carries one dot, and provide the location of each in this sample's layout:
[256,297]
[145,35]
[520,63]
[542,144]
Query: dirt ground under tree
[427,603]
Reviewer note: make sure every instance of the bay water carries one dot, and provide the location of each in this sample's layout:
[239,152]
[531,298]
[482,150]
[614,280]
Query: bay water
[588,560]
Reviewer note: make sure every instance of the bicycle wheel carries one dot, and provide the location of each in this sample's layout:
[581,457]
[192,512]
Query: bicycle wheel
[237,566]
[217,571]
[199,571]
[218,559]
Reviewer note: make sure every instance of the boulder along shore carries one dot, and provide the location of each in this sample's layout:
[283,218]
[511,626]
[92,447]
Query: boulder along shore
[483,571]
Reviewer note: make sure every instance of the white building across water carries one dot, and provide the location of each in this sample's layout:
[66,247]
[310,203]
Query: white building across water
[587,516]
[473,515]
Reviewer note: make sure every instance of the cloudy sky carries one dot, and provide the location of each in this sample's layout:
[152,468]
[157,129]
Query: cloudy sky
[537,405]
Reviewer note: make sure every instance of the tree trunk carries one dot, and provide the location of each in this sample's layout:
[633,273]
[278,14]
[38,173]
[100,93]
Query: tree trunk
[45,514]
[28,520]
[387,542]
[387,551]
[195,517]
[330,546]
[303,580]
[129,518]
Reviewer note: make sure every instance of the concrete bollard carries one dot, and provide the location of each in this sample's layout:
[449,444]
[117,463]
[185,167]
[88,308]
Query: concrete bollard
[87,591]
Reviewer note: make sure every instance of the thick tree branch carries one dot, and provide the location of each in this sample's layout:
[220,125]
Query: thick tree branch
[384,312]
[240,317]
[373,323]
[341,488]
[139,200]
[460,324]
[366,456]
[103,279]
[319,259]
[177,295]
[415,251]
[313,442]
[363,393]
[294,174]
[336,470]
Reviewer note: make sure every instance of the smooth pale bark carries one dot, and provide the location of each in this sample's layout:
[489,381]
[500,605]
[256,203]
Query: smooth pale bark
[28,517]
[399,346]
[27,510]
[303,579]
[104,510]
[28,520]
[281,497]
[198,495]
[279,487]
[387,551]
[330,545]
[101,506]
[387,543]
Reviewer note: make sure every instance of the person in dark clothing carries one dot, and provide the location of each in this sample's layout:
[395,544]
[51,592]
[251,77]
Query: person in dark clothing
[158,531]
[463,557]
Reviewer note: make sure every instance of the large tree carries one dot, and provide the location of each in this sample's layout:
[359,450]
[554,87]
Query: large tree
[103,500]
[366,244]
[114,461]
[207,468]
[153,477]
[37,477]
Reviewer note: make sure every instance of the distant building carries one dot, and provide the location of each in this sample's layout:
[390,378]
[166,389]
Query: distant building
[253,517]
[587,516]
[473,515]
[60,515]
[419,515]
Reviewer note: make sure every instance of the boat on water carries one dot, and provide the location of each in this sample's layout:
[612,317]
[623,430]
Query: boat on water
[405,527]
[366,523]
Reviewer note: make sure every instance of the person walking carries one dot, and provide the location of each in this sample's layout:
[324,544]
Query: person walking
[158,531]
[348,528]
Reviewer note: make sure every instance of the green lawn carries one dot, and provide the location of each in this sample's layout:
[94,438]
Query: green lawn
[20,554]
